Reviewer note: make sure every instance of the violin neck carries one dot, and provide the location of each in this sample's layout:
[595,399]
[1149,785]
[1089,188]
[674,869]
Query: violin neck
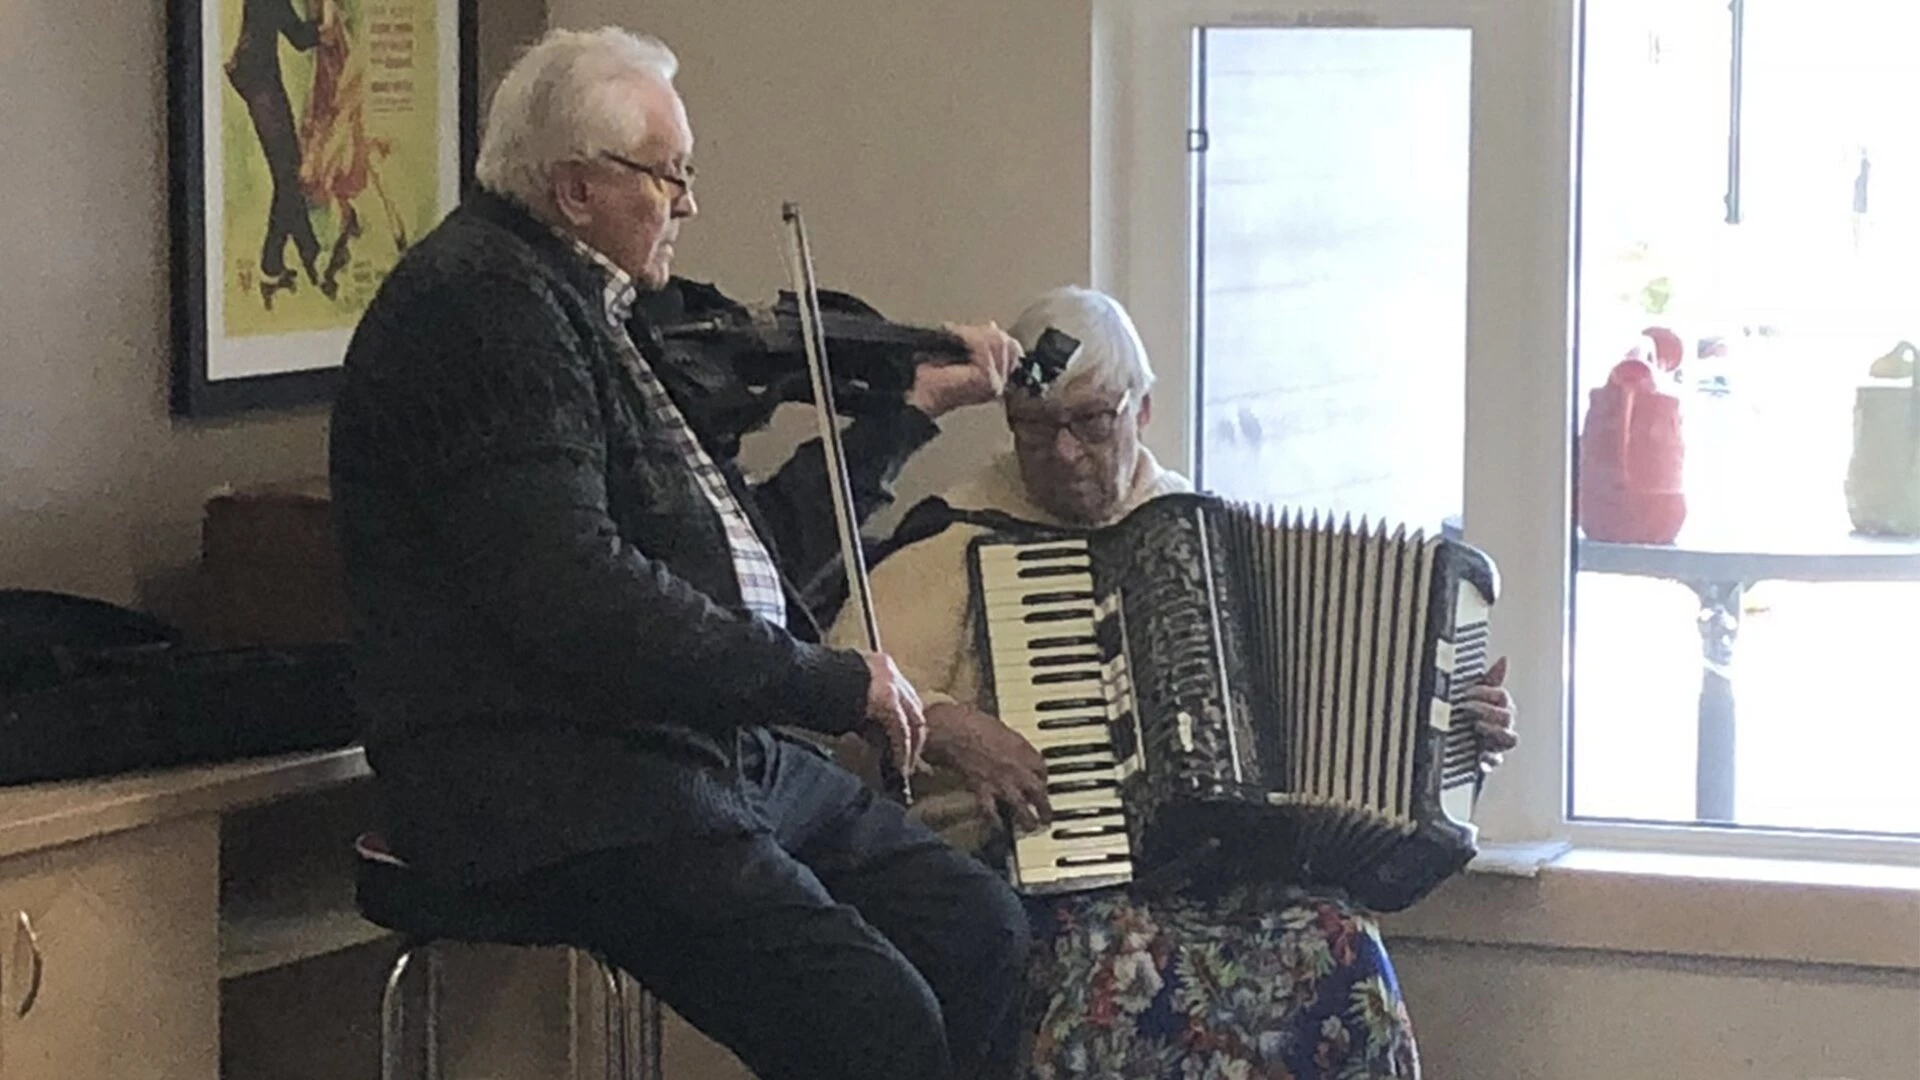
[865,330]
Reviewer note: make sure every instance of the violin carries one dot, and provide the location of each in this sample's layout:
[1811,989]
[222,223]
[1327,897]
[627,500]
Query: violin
[735,363]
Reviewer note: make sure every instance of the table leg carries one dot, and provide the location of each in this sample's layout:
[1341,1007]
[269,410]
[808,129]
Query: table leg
[1714,770]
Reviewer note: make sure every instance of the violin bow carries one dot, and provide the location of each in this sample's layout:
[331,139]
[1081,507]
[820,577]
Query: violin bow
[846,516]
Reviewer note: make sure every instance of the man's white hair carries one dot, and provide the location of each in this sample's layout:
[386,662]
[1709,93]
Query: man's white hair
[1111,356]
[565,99]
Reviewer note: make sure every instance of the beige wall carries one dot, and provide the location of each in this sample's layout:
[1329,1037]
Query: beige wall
[1494,1013]
[100,489]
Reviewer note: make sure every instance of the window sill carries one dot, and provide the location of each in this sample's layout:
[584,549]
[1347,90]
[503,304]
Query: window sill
[1722,907]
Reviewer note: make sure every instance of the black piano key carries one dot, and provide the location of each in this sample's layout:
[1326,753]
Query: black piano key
[1066,597]
[1054,753]
[1042,554]
[1061,723]
[1125,742]
[1072,615]
[1064,660]
[1064,570]
[1082,813]
[1087,832]
[1068,705]
[1069,787]
[1069,768]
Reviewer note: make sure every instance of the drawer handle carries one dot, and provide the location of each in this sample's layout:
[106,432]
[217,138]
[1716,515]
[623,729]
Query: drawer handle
[36,966]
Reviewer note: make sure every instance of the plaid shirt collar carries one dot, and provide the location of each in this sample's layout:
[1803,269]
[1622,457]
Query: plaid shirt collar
[618,293]
[758,576]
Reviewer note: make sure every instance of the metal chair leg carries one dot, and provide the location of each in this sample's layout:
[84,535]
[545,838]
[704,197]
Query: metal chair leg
[616,1020]
[393,1019]
[631,1013]
[435,1063]
[652,1048]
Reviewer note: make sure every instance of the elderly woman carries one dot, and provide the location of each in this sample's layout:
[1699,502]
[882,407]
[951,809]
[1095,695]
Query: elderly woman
[1235,982]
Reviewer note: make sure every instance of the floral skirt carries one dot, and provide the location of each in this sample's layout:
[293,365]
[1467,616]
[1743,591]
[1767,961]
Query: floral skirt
[1273,984]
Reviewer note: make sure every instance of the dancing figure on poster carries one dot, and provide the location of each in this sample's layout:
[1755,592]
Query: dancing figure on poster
[337,156]
[254,72]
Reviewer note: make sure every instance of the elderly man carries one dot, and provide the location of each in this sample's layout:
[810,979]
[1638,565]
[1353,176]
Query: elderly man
[577,638]
[1242,982]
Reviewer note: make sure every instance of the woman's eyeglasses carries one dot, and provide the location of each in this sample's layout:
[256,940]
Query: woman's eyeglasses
[1091,428]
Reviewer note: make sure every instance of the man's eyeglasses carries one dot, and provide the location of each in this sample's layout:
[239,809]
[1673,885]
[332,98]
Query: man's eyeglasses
[1090,428]
[681,182]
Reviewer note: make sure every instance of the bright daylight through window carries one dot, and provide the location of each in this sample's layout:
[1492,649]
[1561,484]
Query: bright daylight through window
[1750,468]
[1746,611]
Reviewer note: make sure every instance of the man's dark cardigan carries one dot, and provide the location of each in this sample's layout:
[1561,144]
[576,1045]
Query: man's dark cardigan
[550,643]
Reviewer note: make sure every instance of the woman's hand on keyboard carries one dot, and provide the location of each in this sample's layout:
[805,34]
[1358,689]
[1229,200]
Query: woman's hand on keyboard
[1000,767]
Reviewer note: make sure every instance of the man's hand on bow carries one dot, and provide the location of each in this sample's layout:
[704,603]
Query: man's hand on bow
[940,388]
[894,712]
[1000,767]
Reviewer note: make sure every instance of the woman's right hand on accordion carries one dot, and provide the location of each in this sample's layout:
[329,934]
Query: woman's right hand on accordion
[1001,768]
[1492,708]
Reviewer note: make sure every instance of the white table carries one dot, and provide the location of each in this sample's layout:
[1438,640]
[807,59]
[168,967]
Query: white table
[1719,568]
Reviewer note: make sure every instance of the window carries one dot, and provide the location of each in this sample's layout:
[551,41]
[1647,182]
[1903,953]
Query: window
[1392,275]
[1750,185]
[1307,236]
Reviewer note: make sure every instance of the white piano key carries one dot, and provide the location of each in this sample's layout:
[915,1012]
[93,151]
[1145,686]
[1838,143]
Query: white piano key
[1050,683]
[1106,798]
[1042,852]
[1053,879]
[1078,736]
[1074,783]
[1085,697]
[1055,655]
[1056,579]
[1097,816]
[1068,609]
[1053,620]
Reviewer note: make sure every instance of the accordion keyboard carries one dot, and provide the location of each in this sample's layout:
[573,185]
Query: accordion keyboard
[1052,683]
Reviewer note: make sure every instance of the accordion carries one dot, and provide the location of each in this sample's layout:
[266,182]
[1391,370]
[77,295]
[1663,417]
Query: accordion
[1213,682]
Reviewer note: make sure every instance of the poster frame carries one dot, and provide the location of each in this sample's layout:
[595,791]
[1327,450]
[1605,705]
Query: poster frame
[195,391]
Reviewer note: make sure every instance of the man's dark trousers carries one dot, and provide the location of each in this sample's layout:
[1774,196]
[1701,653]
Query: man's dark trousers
[844,942]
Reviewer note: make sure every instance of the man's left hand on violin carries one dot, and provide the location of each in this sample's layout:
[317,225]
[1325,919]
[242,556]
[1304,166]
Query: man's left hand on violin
[991,357]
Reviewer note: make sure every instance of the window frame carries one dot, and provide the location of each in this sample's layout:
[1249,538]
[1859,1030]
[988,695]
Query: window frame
[1522,308]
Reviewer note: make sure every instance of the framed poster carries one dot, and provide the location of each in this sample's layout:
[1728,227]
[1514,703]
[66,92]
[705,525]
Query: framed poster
[310,142]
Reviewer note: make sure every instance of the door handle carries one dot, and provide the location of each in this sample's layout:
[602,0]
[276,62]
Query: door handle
[27,940]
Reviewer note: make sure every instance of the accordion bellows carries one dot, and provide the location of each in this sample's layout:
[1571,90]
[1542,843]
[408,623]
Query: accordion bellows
[1219,685]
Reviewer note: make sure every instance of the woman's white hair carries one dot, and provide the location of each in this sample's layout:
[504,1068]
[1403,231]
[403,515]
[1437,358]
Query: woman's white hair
[1111,356]
[564,99]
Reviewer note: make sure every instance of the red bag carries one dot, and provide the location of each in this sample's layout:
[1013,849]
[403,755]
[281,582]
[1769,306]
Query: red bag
[1632,461]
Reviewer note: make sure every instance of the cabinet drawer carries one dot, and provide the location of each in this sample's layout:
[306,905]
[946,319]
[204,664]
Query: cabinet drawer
[125,932]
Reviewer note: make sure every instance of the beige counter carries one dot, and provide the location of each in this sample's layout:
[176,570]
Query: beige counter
[41,816]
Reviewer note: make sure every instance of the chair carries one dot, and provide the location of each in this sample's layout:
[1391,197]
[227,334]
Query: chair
[426,914]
